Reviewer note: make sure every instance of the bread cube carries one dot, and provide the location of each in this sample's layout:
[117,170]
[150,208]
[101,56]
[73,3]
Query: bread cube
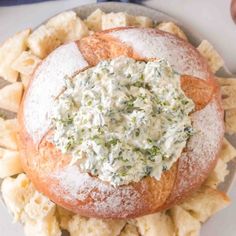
[230,118]
[10,96]
[227,152]
[143,21]
[16,193]
[39,207]
[94,20]
[9,51]
[8,133]
[26,63]
[25,79]
[9,163]
[129,230]
[184,223]
[62,24]
[213,58]
[68,26]
[46,227]
[156,224]
[63,216]
[218,175]
[172,28]
[78,31]
[81,226]
[43,41]
[113,20]
[205,202]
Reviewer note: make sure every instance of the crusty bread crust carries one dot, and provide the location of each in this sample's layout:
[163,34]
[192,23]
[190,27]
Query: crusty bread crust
[81,193]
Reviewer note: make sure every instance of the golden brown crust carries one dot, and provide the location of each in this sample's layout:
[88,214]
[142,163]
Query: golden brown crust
[49,170]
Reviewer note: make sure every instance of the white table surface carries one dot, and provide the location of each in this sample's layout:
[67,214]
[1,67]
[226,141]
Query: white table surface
[211,18]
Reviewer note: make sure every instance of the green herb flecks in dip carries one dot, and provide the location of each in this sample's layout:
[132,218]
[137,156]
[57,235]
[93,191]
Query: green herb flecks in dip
[123,119]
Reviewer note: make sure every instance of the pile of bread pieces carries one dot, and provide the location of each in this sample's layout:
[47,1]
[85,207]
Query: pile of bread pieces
[19,56]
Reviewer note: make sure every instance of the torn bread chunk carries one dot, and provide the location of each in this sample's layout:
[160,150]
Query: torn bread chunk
[79,31]
[8,133]
[62,24]
[68,27]
[129,230]
[218,174]
[142,21]
[25,79]
[10,96]
[172,28]
[82,226]
[226,81]
[9,163]
[213,58]
[26,63]
[39,207]
[16,194]
[113,20]
[155,224]
[184,222]
[228,151]
[43,41]
[94,20]
[46,227]
[64,216]
[9,51]
[228,97]
[205,203]
[230,121]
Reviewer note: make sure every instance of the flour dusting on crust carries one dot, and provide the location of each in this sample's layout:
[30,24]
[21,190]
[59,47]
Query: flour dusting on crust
[202,148]
[149,43]
[47,84]
[101,197]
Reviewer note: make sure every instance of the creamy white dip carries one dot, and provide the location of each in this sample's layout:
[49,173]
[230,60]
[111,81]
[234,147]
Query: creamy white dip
[123,119]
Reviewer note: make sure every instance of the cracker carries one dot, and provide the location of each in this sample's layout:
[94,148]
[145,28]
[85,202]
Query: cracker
[94,20]
[228,97]
[172,28]
[26,63]
[9,51]
[230,121]
[10,96]
[213,58]
[9,163]
[205,203]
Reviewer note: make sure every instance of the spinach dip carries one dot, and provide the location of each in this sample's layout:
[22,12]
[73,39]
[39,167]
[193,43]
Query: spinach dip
[123,120]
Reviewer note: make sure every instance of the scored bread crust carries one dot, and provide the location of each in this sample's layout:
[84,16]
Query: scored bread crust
[81,193]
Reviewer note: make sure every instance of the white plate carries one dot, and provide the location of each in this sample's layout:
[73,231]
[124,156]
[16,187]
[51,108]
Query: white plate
[158,16]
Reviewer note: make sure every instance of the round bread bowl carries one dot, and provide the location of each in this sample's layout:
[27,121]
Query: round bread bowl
[50,171]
